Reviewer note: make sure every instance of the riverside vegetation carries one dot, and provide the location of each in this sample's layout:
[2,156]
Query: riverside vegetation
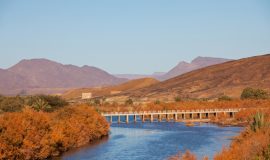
[254,142]
[46,127]
[41,127]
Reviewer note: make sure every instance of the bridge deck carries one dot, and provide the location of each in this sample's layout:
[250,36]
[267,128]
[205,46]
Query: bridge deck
[231,110]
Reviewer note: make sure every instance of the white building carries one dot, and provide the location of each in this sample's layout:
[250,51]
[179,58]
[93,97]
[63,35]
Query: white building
[86,95]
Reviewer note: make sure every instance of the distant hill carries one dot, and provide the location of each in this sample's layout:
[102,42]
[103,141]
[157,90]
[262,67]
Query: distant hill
[155,75]
[197,63]
[34,74]
[181,68]
[228,78]
[111,90]
[132,76]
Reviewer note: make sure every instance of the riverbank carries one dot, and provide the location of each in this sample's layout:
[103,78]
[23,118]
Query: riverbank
[252,143]
[40,135]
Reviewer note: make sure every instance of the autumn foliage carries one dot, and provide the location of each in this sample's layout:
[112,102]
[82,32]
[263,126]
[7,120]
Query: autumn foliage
[183,156]
[252,143]
[39,135]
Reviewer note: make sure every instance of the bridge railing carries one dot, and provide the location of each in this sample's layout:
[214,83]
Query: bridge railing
[174,111]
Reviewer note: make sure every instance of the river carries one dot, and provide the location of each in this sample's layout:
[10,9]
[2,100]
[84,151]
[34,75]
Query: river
[156,141]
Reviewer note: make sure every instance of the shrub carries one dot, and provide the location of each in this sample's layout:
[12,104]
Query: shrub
[184,156]
[157,101]
[224,98]
[41,135]
[52,102]
[258,122]
[11,104]
[250,93]
[94,102]
[129,102]
[41,105]
[177,99]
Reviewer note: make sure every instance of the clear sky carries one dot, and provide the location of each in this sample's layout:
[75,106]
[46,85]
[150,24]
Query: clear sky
[132,36]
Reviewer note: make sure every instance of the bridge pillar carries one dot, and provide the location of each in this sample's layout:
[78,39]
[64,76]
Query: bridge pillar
[151,117]
[135,118]
[159,118]
[119,119]
[200,115]
[175,117]
[231,114]
[111,119]
[127,118]
[167,117]
[206,115]
[143,118]
[183,116]
[215,114]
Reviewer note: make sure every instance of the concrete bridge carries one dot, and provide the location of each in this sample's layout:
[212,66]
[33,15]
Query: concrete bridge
[169,115]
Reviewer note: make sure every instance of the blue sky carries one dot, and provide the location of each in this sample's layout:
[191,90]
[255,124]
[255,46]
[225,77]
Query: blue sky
[132,36]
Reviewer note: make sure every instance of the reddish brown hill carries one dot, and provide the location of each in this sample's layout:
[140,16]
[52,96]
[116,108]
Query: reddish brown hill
[228,78]
[42,73]
[197,63]
[107,91]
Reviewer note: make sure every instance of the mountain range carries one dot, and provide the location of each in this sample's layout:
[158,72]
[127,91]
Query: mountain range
[228,78]
[181,68]
[36,75]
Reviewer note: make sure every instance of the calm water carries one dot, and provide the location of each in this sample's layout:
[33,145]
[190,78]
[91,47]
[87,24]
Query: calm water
[156,141]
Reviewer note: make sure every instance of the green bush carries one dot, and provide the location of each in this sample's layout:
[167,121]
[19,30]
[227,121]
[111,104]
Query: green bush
[157,101]
[258,122]
[224,98]
[251,93]
[41,105]
[129,102]
[177,99]
[11,104]
[54,102]
[41,102]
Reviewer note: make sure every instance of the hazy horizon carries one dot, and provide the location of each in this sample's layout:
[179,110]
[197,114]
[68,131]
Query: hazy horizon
[132,37]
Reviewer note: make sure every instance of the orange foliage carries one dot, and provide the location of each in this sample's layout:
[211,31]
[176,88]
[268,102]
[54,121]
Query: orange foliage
[249,145]
[185,156]
[38,135]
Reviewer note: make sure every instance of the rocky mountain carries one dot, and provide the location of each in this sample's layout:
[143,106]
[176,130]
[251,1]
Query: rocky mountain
[197,63]
[181,68]
[42,73]
[228,78]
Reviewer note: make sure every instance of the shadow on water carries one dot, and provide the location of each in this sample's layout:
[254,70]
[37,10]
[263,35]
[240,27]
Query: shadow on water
[87,147]
[156,141]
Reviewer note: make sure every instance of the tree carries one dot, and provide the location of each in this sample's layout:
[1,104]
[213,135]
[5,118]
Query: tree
[224,98]
[55,102]
[11,104]
[251,93]
[157,101]
[177,99]
[129,102]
